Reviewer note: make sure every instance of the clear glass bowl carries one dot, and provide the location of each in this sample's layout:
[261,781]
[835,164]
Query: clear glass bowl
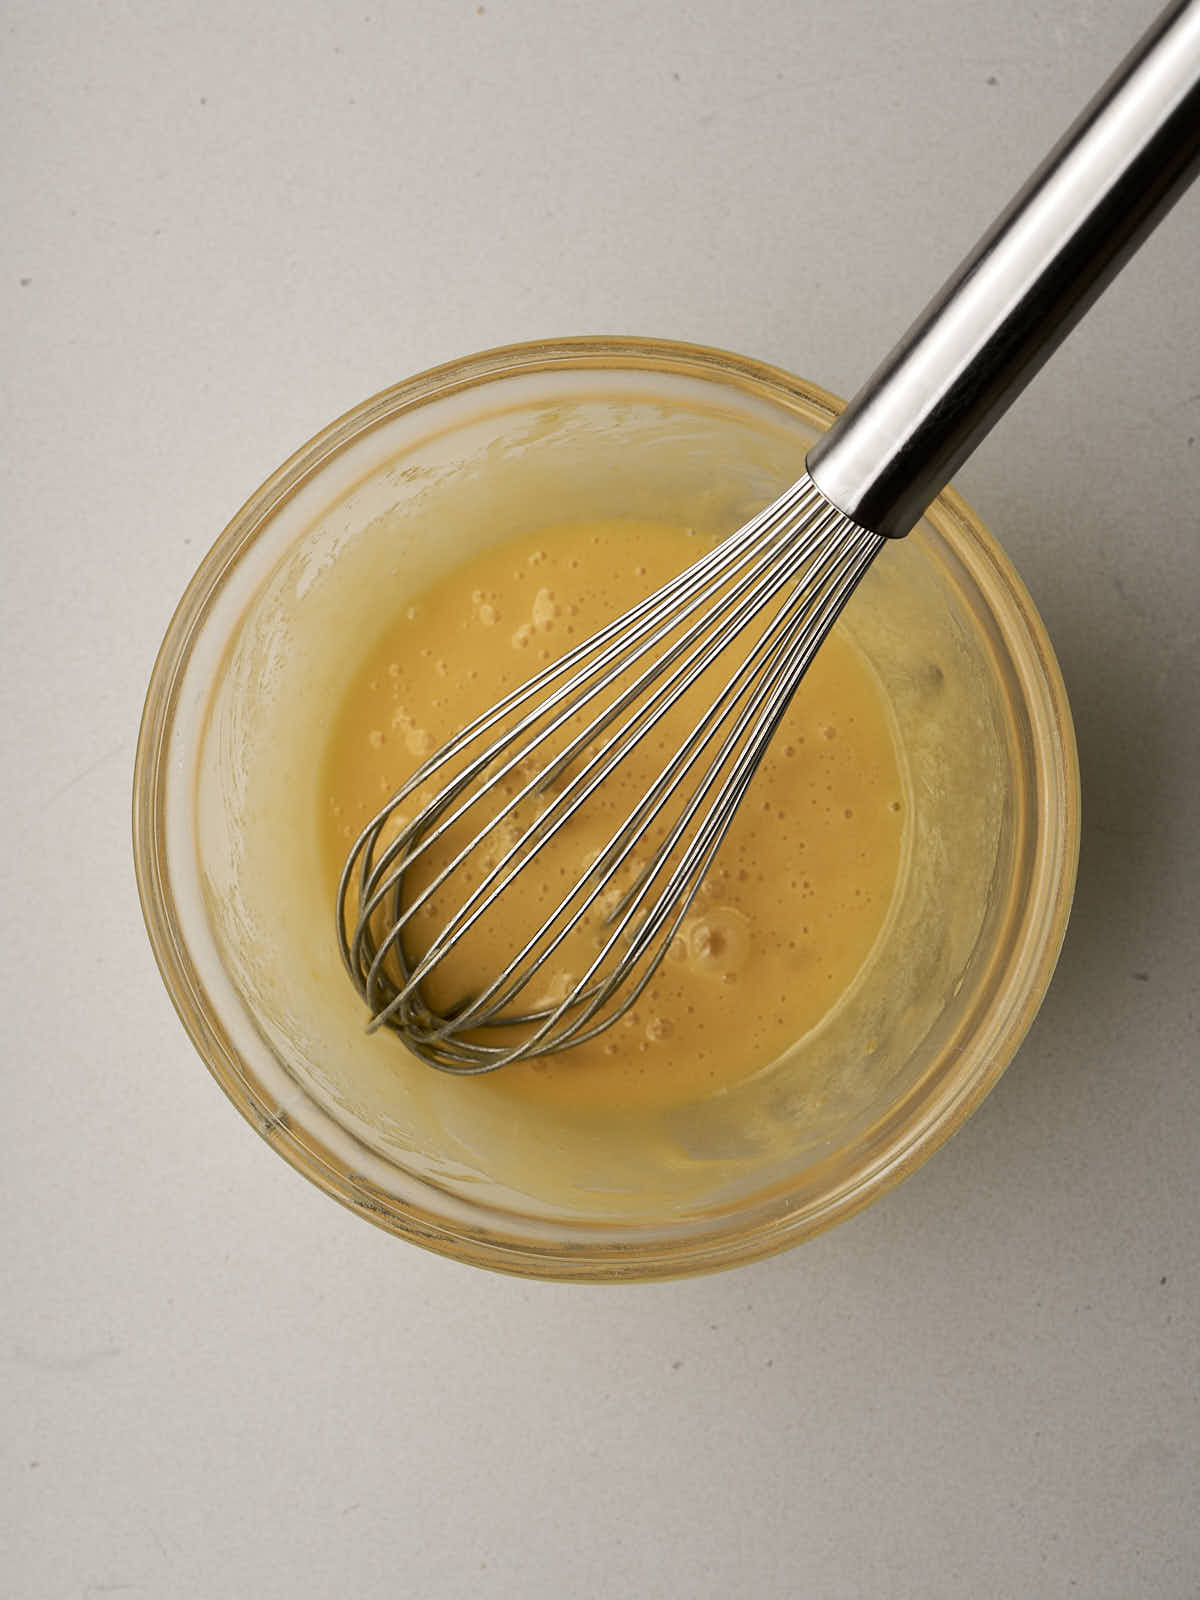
[254,662]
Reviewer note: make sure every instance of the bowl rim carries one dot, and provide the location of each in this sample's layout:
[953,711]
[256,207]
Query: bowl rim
[776,1226]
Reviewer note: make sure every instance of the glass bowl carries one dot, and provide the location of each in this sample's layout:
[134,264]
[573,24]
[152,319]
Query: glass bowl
[274,624]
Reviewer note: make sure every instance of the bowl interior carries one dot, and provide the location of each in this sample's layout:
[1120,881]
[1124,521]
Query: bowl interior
[256,664]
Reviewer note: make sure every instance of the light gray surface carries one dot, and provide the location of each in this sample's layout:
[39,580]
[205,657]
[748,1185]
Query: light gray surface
[223,227]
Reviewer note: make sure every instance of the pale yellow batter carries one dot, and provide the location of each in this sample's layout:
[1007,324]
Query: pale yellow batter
[802,884]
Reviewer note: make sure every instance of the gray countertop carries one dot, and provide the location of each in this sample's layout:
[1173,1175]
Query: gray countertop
[223,226]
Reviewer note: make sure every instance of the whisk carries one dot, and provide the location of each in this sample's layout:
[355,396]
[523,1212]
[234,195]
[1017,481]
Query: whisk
[754,609]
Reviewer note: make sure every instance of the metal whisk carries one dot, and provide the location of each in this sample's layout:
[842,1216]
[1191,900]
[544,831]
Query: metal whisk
[753,612]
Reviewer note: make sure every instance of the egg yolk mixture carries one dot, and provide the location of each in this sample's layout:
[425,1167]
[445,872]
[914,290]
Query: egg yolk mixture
[795,897]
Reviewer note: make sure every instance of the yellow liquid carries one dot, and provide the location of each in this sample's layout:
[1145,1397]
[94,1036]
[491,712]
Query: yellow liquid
[796,896]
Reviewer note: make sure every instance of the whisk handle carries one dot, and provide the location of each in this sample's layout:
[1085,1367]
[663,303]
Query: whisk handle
[1114,174]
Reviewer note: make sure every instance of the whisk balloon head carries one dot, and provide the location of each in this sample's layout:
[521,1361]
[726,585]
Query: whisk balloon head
[423,882]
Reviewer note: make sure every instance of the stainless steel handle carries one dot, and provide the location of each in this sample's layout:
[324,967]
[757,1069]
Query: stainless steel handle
[1114,174]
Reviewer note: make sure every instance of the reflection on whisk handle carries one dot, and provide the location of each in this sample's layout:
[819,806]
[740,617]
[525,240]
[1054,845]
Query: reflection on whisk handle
[1114,174]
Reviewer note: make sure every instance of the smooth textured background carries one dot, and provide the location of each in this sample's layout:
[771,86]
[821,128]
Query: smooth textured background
[223,225]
